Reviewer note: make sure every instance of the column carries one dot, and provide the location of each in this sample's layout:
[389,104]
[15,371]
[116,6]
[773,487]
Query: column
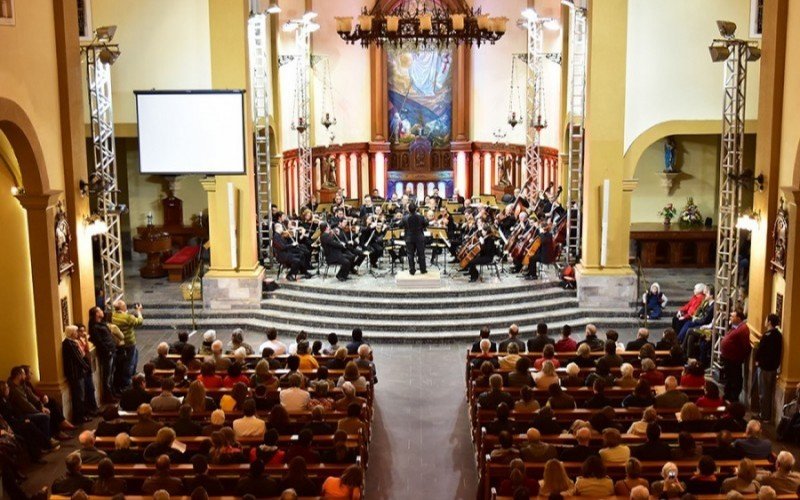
[790,323]
[613,282]
[49,332]
[234,279]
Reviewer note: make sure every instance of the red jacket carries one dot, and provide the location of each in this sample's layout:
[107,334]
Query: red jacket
[690,307]
[735,345]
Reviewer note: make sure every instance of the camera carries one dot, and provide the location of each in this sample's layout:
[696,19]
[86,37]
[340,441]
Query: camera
[672,474]
[137,305]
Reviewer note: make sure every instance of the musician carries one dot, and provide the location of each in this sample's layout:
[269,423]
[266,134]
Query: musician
[396,223]
[522,229]
[335,252]
[557,212]
[346,234]
[288,254]
[338,204]
[488,251]
[506,220]
[367,208]
[414,225]
[371,239]
[544,204]
[437,199]
[457,198]
[543,253]
[312,204]
[376,196]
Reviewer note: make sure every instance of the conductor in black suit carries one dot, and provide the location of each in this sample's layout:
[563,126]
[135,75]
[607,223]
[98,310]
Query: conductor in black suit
[334,251]
[414,225]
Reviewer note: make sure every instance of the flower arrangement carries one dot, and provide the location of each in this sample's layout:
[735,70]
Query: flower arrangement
[668,213]
[690,215]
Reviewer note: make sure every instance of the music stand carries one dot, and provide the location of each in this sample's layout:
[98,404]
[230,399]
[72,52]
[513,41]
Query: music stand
[438,233]
[391,236]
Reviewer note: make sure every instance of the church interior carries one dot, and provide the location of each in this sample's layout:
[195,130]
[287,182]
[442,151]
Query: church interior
[390,249]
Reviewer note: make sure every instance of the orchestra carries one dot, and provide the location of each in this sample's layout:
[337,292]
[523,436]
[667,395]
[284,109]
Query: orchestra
[525,232]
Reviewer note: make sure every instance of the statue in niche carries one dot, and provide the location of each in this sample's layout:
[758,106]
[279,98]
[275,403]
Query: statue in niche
[780,233]
[63,240]
[329,177]
[502,171]
[670,155]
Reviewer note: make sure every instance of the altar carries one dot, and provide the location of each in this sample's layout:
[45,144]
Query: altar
[659,245]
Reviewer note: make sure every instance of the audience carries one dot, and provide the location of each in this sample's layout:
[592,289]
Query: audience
[593,481]
[753,445]
[784,480]
[555,480]
[654,448]
[88,453]
[512,339]
[671,397]
[540,339]
[633,480]
[145,426]
[745,479]
[484,335]
[613,451]
[345,487]
[73,480]
[566,343]
[704,480]
[536,450]
[166,401]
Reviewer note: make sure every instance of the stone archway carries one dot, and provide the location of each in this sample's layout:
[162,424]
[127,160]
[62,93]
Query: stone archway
[39,200]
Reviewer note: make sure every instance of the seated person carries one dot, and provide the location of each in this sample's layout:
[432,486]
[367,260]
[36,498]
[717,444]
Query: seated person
[754,446]
[490,399]
[733,420]
[546,422]
[73,480]
[669,486]
[166,401]
[671,397]
[547,377]
[642,396]
[724,449]
[611,358]
[581,451]
[509,361]
[687,448]
[555,482]
[123,453]
[201,478]
[111,424]
[653,303]
[521,375]
[639,428]
[502,421]
[302,447]
[566,343]
[161,361]
[598,399]
[590,339]
[527,401]
[691,419]
[642,337]
[484,334]
[256,483]
[584,357]
[704,481]
[668,339]
[162,479]
[601,372]
[135,395]
[185,425]
[162,446]
[505,452]
[145,426]
[685,313]
[573,378]
[559,400]
[548,354]
[626,380]
[633,479]
[593,481]
[654,448]
[613,450]
[536,450]
[711,397]
[744,481]
[784,480]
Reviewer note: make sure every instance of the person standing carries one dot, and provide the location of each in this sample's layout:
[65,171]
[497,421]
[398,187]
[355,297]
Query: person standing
[105,347]
[127,323]
[76,369]
[767,360]
[414,225]
[734,350]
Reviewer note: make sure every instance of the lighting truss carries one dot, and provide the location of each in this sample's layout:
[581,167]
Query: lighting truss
[101,112]
[730,190]
[534,98]
[258,35]
[576,86]
[302,123]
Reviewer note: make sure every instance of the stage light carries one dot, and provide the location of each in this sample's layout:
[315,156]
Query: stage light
[727,29]
[753,53]
[95,225]
[551,24]
[308,16]
[312,27]
[108,56]
[530,14]
[16,191]
[719,53]
[105,34]
[748,221]
[273,7]
[289,27]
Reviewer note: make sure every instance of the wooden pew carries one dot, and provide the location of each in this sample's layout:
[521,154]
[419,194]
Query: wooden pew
[236,470]
[749,496]
[493,473]
[581,394]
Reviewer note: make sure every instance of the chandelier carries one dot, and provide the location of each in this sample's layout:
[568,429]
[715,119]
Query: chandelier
[436,26]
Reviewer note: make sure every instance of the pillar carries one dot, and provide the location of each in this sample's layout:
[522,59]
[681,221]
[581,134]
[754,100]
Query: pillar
[235,277]
[49,332]
[613,282]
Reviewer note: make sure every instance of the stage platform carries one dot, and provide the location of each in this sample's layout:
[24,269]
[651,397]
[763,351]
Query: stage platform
[429,281]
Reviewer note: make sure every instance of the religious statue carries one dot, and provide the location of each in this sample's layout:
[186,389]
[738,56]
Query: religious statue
[670,148]
[330,173]
[502,171]
[63,240]
[780,233]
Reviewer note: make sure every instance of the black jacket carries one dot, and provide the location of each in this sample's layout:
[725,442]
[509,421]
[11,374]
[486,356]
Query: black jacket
[76,367]
[131,398]
[415,225]
[768,354]
[332,247]
[537,343]
[652,450]
[102,339]
[211,484]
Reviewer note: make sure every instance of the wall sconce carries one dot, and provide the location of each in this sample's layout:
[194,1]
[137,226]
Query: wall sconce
[17,190]
[93,185]
[95,225]
[748,221]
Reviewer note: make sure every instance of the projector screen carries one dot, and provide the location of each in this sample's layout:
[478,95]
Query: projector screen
[191,132]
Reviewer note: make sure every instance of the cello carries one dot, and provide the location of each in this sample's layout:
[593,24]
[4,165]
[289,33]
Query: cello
[469,250]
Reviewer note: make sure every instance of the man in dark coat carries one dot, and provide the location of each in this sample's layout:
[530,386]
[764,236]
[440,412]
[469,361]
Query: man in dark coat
[414,225]
[334,251]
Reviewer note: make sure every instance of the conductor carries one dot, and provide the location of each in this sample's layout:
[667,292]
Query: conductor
[414,225]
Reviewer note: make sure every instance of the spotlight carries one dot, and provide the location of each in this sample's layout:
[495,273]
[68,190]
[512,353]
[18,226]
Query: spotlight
[726,29]
[16,191]
[308,16]
[529,14]
[273,7]
[108,56]
[719,52]
[95,225]
[748,221]
[289,27]
[753,53]
[312,27]
[105,34]
[551,24]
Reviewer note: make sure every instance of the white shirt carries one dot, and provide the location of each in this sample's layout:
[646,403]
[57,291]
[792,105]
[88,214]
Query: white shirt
[276,345]
[249,426]
[295,399]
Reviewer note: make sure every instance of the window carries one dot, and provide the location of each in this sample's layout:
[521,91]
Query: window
[84,20]
[756,17]
[7,12]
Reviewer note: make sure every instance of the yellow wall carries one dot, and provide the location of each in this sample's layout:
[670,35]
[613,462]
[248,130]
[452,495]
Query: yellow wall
[670,75]
[16,293]
[165,45]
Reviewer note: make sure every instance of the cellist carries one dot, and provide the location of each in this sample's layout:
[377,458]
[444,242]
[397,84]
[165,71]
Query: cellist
[488,251]
[522,228]
[543,253]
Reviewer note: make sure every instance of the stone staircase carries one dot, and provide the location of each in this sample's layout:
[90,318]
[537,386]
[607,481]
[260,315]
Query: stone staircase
[403,315]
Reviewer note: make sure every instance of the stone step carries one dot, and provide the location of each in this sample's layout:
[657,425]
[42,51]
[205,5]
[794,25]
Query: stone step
[290,328]
[414,302]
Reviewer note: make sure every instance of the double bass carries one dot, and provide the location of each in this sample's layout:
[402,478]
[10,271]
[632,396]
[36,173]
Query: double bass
[520,248]
[470,249]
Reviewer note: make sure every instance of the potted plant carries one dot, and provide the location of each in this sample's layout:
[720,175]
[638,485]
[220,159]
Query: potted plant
[690,215]
[668,213]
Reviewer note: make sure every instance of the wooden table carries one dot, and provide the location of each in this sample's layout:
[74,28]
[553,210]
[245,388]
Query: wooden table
[154,244]
[672,246]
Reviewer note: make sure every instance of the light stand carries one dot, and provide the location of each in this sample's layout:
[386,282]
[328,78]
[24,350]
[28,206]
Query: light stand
[735,53]
[100,54]
[258,38]
[303,28]
[576,86]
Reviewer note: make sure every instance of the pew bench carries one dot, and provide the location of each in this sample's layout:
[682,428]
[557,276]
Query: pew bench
[182,263]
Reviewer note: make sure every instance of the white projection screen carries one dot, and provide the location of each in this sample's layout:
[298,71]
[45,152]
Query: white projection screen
[191,132]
